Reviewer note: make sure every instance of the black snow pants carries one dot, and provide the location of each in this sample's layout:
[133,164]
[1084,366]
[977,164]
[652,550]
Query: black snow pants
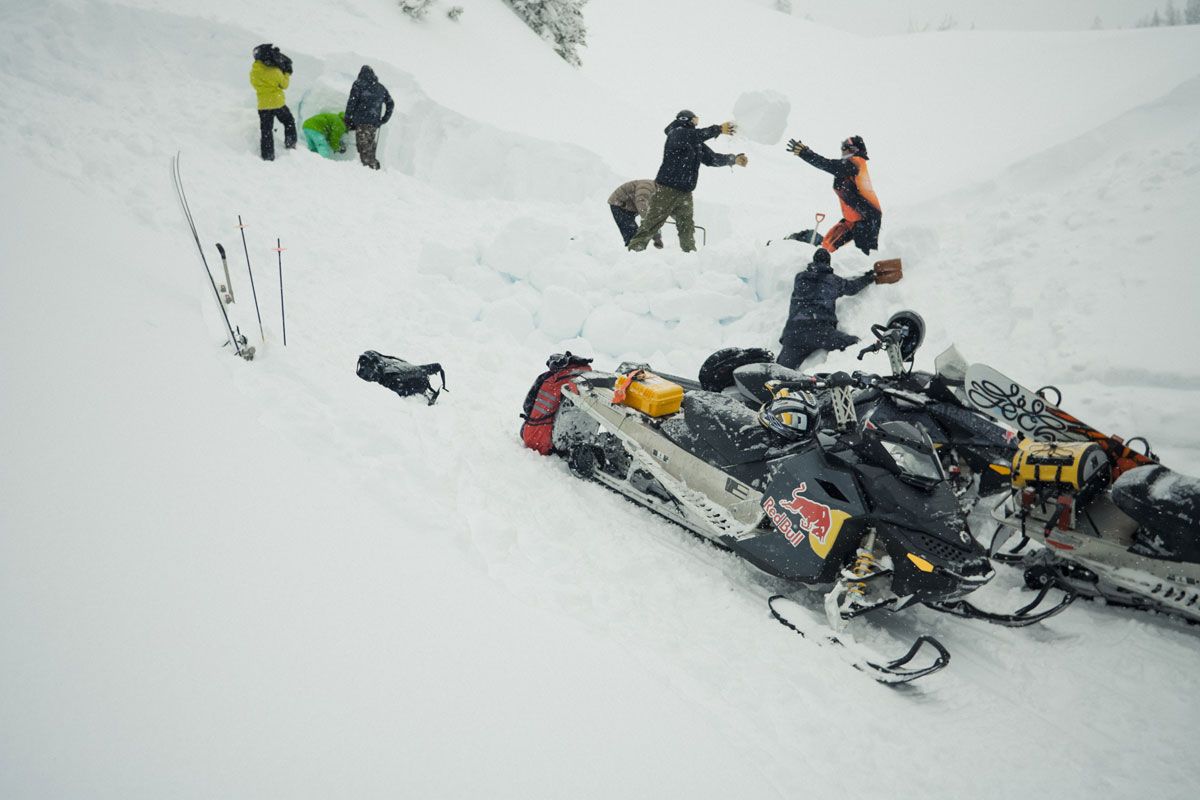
[626,222]
[801,341]
[266,130]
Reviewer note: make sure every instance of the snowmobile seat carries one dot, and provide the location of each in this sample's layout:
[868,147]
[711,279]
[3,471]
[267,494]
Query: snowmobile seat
[750,379]
[720,429]
[1167,505]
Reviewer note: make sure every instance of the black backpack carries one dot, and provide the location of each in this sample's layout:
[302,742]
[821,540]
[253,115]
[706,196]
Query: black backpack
[400,376]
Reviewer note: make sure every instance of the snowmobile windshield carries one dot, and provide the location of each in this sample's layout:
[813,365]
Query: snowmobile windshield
[912,452]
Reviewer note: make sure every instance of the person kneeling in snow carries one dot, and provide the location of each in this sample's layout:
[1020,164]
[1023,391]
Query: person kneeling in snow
[270,75]
[324,132]
[862,215]
[629,201]
[812,314]
[364,115]
[683,153]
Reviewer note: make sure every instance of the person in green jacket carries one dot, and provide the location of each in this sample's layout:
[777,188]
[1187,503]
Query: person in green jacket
[324,132]
[269,76]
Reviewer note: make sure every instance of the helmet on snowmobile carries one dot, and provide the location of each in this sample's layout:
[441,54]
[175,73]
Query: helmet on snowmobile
[793,416]
[854,145]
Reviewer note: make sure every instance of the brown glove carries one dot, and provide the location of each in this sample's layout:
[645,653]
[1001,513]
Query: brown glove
[729,128]
[888,271]
[741,160]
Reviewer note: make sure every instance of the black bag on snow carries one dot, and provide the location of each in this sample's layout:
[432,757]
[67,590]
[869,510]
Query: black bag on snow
[400,376]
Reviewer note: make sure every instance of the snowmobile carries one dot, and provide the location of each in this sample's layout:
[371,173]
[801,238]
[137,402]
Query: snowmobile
[862,512]
[976,451]
[1114,522]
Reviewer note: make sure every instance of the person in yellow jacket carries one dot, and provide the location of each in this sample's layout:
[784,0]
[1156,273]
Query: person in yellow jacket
[269,76]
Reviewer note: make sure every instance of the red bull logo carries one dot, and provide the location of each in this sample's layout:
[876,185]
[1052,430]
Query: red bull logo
[815,518]
[812,519]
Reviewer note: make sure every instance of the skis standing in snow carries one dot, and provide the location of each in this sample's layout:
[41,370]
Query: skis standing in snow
[683,153]
[812,314]
[270,75]
[369,107]
[862,215]
[629,201]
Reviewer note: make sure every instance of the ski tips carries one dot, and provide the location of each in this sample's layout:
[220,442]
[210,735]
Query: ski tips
[221,249]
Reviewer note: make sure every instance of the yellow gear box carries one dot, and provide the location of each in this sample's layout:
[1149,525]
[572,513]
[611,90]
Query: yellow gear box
[652,395]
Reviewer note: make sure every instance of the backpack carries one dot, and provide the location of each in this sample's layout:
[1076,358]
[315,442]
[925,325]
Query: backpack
[545,396]
[400,376]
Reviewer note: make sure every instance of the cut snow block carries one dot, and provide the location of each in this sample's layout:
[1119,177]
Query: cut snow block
[762,116]
[523,243]
[508,316]
[562,313]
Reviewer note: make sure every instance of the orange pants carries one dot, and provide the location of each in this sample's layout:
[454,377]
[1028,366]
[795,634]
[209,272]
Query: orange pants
[843,231]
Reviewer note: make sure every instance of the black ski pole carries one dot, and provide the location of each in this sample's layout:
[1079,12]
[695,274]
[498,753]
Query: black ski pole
[246,250]
[282,315]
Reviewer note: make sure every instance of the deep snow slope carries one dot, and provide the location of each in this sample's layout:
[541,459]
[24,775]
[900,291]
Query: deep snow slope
[272,579]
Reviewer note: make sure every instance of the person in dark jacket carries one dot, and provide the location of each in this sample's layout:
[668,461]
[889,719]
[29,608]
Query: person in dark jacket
[812,314]
[369,107]
[683,153]
[862,215]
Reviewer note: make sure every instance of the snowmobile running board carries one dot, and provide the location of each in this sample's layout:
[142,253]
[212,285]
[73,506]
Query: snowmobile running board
[860,657]
[1019,618]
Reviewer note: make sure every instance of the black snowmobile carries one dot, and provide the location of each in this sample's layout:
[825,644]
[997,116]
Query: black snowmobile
[975,450]
[862,511]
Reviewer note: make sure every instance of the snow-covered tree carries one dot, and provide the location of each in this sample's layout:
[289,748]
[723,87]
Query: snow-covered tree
[455,13]
[1191,13]
[1155,20]
[1171,15]
[559,22]
[783,5]
[1098,24]
[417,9]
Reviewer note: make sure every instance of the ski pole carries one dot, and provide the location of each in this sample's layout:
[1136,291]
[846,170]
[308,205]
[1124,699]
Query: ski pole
[262,337]
[813,239]
[279,248]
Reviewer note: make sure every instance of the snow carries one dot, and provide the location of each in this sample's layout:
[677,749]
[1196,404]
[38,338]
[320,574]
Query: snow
[762,116]
[221,578]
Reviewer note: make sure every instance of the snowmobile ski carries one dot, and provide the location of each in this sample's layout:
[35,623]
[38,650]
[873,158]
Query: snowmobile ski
[1018,619]
[1032,414]
[793,615]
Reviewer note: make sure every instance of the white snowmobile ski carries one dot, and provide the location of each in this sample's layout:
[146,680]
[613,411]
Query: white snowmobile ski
[892,671]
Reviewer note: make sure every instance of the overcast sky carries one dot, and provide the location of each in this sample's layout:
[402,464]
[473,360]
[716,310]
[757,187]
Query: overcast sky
[894,16]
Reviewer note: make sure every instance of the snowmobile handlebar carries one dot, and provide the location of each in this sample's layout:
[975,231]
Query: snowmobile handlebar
[859,380]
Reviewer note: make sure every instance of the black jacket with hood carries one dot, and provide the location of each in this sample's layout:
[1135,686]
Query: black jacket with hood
[367,96]
[814,300]
[685,151]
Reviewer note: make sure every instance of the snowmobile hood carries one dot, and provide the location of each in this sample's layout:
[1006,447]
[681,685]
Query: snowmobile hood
[367,74]
[676,124]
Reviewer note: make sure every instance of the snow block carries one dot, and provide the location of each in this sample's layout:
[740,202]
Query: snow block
[521,244]
[562,313]
[762,116]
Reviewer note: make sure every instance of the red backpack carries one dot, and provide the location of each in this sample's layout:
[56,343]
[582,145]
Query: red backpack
[544,398]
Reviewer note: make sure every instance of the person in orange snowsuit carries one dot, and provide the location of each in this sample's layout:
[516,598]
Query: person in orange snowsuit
[861,212]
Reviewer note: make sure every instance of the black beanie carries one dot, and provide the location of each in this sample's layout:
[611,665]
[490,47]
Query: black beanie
[821,256]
